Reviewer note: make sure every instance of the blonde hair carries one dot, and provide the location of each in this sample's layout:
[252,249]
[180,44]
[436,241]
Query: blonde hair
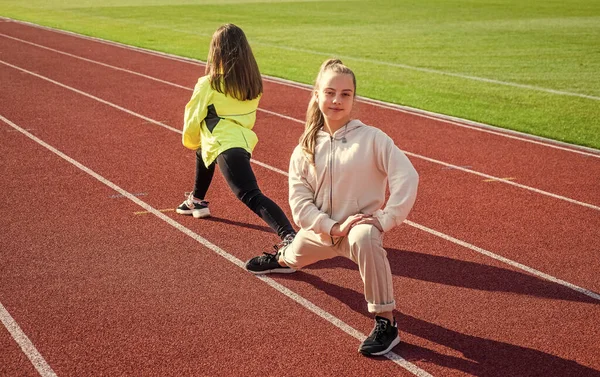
[314,116]
[231,66]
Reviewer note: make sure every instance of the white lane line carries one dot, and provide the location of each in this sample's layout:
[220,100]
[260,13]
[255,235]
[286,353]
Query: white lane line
[507,181]
[486,128]
[129,71]
[436,71]
[217,250]
[442,118]
[448,165]
[395,65]
[502,259]
[405,109]
[93,97]
[92,61]
[23,341]
[449,238]
[269,167]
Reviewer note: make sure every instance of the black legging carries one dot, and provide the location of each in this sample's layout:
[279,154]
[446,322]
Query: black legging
[235,167]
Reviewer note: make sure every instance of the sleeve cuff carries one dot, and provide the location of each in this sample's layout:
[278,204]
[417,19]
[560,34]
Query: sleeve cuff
[327,225]
[387,222]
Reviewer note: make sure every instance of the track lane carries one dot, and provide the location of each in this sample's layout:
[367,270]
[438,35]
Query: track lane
[420,135]
[351,278]
[13,361]
[540,244]
[128,295]
[556,361]
[527,229]
[592,221]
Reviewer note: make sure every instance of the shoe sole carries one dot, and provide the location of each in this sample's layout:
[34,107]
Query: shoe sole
[184,212]
[394,343]
[201,213]
[274,271]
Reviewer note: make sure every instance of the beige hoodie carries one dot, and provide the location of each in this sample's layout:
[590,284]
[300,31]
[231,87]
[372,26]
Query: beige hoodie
[350,176]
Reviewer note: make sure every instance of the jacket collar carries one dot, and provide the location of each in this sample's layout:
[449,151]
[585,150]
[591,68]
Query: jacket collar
[352,125]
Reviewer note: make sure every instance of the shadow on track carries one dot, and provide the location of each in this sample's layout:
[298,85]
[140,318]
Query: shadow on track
[458,273]
[240,224]
[482,357]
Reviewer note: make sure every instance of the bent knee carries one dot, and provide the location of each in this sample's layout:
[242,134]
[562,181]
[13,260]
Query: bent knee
[364,234]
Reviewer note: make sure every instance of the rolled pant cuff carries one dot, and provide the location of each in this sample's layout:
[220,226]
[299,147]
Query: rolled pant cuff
[285,260]
[381,308]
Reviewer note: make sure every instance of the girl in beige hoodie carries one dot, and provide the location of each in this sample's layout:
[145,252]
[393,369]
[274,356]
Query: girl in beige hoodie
[338,177]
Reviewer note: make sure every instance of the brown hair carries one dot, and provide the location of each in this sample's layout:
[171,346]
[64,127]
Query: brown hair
[231,66]
[314,116]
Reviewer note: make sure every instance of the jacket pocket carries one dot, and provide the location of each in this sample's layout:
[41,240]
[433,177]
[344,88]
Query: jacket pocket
[342,209]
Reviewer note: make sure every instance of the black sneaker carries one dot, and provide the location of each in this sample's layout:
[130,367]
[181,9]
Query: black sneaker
[383,338]
[194,207]
[268,262]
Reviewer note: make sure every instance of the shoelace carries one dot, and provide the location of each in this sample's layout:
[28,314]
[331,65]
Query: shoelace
[190,200]
[380,329]
[267,257]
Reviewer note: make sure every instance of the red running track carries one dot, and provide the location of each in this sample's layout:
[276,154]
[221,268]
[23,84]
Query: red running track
[101,289]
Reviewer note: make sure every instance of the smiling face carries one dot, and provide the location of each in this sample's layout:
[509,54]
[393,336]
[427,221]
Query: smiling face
[335,95]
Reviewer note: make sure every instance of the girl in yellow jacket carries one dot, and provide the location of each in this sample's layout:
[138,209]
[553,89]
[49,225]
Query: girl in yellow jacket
[218,125]
[338,178]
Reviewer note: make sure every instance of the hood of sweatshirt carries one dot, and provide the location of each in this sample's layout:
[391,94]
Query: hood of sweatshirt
[343,132]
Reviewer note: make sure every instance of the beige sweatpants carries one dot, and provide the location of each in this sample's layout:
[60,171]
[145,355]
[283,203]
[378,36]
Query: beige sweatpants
[364,246]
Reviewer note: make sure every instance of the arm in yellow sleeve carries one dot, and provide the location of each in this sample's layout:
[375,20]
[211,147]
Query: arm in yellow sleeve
[195,112]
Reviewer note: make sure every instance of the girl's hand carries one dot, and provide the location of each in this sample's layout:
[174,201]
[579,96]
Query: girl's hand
[370,220]
[342,230]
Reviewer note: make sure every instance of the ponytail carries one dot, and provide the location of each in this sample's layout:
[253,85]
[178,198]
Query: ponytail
[314,122]
[314,117]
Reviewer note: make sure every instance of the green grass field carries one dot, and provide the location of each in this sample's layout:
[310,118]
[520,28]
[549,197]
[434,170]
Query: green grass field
[529,66]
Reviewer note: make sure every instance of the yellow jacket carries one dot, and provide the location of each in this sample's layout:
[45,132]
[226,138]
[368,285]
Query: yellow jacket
[215,122]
